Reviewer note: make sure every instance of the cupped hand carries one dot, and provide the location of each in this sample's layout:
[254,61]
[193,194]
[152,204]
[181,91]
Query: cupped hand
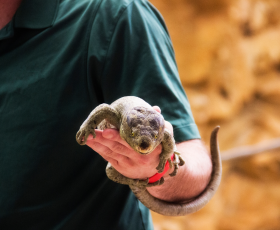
[123,158]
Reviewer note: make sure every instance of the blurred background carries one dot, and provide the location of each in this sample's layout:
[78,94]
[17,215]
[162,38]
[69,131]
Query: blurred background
[228,56]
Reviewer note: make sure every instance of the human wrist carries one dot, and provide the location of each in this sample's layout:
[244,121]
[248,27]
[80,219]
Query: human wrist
[192,178]
[158,176]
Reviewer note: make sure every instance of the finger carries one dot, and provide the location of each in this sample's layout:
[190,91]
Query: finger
[111,160]
[97,132]
[114,135]
[100,137]
[94,146]
[108,154]
[168,126]
[115,146]
[156,108]
[115,143]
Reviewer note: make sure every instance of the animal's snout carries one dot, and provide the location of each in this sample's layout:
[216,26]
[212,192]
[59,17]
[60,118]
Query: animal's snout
[144,145]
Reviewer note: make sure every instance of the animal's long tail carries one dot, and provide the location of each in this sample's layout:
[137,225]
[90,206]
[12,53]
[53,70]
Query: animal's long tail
[181,209]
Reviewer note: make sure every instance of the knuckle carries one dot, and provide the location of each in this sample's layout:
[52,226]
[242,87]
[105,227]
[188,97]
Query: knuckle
[118,148]
[107,152]
[129,162]
[114,163]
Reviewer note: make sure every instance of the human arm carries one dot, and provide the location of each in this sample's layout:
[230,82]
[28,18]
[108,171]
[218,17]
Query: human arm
[192,177]
[191,180]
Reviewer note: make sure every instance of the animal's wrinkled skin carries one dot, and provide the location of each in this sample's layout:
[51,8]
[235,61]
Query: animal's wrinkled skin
[143,129]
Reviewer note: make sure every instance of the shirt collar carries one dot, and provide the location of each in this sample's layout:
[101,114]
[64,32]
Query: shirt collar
[36,14]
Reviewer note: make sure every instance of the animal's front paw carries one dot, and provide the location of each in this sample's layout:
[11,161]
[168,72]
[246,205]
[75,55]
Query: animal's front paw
[139,183]
[175,171]
[177,161]
[161,166]
[82,135]
[182,162]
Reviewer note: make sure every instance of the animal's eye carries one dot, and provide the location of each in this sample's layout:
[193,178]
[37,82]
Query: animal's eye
[156,136]
[132,134]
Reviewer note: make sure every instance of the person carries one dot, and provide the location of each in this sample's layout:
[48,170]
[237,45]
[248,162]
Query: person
[58,60]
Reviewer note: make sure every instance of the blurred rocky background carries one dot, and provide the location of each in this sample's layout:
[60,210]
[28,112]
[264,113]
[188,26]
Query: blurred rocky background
[228,56]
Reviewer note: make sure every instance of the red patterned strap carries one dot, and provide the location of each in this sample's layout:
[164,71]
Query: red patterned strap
[157,176]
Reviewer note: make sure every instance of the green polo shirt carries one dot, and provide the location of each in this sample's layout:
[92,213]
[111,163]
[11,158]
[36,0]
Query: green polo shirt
[59,60]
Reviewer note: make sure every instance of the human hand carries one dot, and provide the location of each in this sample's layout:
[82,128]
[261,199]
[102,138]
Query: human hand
[123,158]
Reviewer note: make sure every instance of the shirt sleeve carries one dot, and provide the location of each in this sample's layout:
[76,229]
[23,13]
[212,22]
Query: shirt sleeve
[140,62]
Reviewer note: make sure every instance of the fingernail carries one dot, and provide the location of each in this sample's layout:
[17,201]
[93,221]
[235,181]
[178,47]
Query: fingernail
[108,135]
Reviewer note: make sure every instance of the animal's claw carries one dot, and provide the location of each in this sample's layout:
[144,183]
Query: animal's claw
[160,167]
[82,135]
[177,161]
[182,162]
[140,183]
[174,173]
